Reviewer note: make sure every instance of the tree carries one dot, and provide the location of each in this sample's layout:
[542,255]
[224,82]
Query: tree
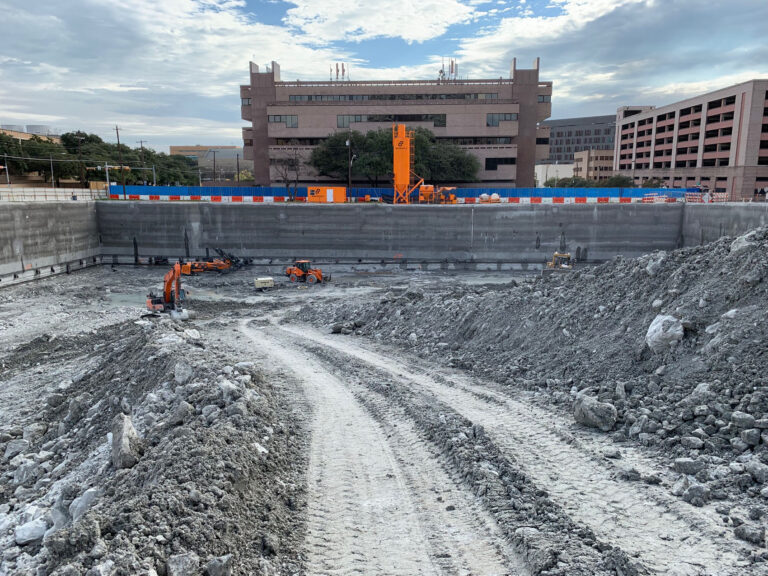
[652,183]
[245,175]
[436,161]
[616,181]
[288,168]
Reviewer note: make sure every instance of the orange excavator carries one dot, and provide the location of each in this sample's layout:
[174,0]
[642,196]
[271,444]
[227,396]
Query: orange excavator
[225,262]
[172,297]
[301,271]
[406,181]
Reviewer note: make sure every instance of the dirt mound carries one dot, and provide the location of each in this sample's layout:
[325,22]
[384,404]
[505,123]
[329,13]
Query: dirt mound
[692,384]
[214,474]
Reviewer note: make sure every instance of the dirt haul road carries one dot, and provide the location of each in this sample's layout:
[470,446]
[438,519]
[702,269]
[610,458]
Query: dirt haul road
[377,468]
[379,500]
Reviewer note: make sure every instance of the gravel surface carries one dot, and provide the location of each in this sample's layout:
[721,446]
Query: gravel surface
[610,420]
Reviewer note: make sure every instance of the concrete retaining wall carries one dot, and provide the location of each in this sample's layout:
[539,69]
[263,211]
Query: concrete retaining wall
[704,223]
[43,238]
[521,234]
[38,239]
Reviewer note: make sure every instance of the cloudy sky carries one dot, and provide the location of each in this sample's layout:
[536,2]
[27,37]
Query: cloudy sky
[168,71]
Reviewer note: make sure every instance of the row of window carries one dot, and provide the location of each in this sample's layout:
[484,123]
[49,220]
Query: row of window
[592,140]
[344,120]
[290,121]
[358,97]
[494,118]
[568,133]
[494,163]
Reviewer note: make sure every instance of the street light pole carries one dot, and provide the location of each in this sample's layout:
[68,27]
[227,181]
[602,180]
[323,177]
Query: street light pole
[120,159]
[349,162]
[214,164]
[154,176]
[237,159]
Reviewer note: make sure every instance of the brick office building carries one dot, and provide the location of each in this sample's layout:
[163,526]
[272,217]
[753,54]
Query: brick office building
[718,140]
[494,119]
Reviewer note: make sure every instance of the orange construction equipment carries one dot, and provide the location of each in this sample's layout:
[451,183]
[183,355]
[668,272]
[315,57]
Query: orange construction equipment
[197,266]
[301,271]
[406,181]
[327,194]
[224,263]
[173,294]
[402,160]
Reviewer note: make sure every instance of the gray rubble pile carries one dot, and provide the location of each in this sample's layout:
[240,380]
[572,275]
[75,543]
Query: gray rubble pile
[164,456]
[667,350]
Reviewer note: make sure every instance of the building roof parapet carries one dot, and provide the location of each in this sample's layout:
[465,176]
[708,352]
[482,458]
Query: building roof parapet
[338,84]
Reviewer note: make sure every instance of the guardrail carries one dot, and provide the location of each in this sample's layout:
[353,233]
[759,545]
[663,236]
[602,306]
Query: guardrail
[50,194]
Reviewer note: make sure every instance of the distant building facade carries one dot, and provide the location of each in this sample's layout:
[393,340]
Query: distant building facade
[593,164]
[21,135]
[227,160]
[494,119]
[548,171]
[570,135]
[718,140]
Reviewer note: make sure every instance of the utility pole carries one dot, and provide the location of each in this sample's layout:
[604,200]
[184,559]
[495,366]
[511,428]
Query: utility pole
[141,150]
[141,156]
[154,176]
[237,160]
[106,172]
[7,172]
[80,159]
[214,164]
[53,178]
[120,159]
[200,177]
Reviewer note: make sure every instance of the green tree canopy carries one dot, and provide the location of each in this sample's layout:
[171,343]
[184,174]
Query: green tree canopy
[86,154]
[436,161]
[576,182]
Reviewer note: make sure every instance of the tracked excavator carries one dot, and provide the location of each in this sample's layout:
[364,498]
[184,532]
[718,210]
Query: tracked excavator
[170,301]
[225,262]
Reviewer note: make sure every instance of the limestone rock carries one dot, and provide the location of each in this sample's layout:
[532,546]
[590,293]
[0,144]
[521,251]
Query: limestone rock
[32,531]
[221,566]
[82,503]
[186,564]
[664,333]
[589,411]
[182,373]
[15,447]
[126,444]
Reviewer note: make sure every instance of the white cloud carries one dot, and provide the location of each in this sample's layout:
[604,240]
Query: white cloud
[341,20]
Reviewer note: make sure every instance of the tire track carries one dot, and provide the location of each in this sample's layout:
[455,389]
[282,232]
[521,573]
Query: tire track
[645,521]
[372,504]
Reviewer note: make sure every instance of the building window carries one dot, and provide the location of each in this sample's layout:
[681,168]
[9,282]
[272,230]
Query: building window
[545,98]
[289,120]
[360,97]
[494,119]
[245,101]
[344,120]
[542,141]
[494,163]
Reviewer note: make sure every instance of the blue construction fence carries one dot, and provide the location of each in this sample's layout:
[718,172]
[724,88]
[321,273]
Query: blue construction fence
[301,192]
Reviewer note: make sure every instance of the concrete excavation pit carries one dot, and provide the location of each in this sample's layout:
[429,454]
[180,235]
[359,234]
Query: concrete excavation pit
[419,418]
